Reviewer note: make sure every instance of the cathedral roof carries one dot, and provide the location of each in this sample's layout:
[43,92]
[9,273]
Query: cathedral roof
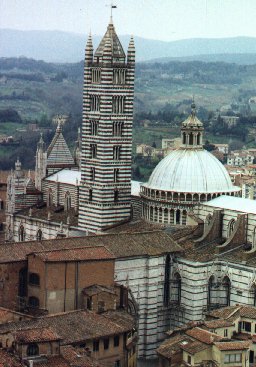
[194,171]
[67,176]
[234,203]
[58,153]
[117,49]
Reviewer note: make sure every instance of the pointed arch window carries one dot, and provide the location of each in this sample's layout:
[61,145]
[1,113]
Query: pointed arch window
[116,152]
[93,150]
[118,128]
[21,233]
[116,195]
[90,195]
[68,201]
[39,235]
[96,75]
[49,198]
[119,76]
[92,173]
[176,289]
[118,104]
[231,226]
[116,174]
[167,280]
[93,127]
[226,285]
[94,102]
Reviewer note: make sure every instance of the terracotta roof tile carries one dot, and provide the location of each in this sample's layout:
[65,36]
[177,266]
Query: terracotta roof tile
[224,312]
[77,357]
[120,244]
[248,311]
[216,324]
[194,347]
[203,335]
[233,345]
[36,335]
[172,345]
[7,359]
[85,253]
[77,326]
[52,361]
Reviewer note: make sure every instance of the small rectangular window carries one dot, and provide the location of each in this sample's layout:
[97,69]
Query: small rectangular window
[106,343]
[225,332]
[96,345]
[189,359]
[116,340]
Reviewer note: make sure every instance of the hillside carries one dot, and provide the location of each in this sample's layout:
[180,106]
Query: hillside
[33,91]
[57,46]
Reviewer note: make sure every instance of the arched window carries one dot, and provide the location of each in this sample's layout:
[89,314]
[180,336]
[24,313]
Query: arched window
[39,235]
[116,195]
[167,281]
[92,173]
[212,293]
[226,285]
[67,201]
[191,139]
[90,195]
[21,233]
[198,139]
[116,174]
[178,216]
[231,226]
[34,279]
[49,198]
[33,302]
[176,289]
[184,138]
[32,350]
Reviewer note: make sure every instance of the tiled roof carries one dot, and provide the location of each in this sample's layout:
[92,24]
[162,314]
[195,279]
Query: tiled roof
[82,254]
[233,345]
[248,311]
[172,345]
[36,335]
[120,244]
[7,359]
[224,312]
[203,335]
[194,347]
[216,324]
[77,326]
[77,358]
[53,361]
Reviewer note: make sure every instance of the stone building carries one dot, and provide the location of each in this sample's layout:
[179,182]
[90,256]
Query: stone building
[78,338]
[105,188]
[186,177]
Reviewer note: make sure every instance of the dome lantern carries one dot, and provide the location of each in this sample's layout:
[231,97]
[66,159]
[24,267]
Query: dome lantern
[192,131]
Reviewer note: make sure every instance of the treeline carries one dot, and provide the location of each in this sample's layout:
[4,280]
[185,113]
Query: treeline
[9,115]
[35,68]
[196,71]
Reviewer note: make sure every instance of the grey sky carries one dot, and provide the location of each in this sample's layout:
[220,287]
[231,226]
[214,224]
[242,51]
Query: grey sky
[160,19]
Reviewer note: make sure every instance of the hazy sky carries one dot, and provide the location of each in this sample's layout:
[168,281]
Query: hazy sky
[160,19]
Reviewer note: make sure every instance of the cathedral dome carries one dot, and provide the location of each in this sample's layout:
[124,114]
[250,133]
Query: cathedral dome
[194,171]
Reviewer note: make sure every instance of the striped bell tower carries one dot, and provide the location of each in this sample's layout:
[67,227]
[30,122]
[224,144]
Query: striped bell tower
[105,191]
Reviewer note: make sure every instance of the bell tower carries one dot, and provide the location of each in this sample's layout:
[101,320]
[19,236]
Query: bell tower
[105,191]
